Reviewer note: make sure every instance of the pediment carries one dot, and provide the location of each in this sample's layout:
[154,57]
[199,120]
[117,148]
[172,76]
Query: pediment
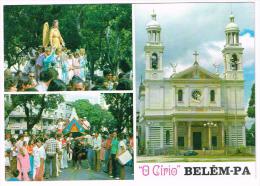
[196,72]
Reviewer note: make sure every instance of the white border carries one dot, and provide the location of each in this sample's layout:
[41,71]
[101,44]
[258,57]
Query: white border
[138,180]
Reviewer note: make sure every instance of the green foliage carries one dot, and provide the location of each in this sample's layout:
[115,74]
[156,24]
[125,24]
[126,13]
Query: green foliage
[105,31]
[250,136]
[251,104]
[33,105]
[250,133]
[121,107]
[96,116]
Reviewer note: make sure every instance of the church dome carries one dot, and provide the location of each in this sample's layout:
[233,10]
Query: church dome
[232,26]
[153,24]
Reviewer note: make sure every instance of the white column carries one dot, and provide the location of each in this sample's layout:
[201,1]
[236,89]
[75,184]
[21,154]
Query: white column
[189,135]
[244,134]
[160,62]
[146,137]
[147,59]
[222,135]
[161,137]
[209,133]
[176,136]
[206,97]
[226,38]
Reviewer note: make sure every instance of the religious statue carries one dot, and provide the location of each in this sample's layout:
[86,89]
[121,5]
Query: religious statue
[52,35]
[173,65]
[216,65]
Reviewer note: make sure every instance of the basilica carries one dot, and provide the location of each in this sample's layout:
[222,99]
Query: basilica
[194,109]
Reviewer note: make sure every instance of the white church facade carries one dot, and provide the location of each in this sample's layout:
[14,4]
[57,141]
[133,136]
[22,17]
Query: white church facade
[194,109]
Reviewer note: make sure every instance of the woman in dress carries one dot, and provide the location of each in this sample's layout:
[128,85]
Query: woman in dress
[76,64]
[59,61]
[29,148]
[102,151]
[56,40]
[83,62]
[23,161]
[70,66]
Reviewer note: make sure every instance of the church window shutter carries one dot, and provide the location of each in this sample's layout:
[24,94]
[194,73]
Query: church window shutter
[212,95]
[180,95]
[167,137]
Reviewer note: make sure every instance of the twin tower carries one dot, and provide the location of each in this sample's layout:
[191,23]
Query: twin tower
[232,52]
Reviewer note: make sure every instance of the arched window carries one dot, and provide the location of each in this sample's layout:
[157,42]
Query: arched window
[234,62]
[167,137]
[180,95]
[154,61]
[212,95]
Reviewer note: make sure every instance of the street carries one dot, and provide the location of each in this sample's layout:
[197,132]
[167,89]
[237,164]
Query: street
[85,174]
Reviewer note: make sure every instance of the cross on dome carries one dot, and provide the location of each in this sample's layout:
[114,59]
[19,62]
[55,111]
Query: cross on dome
[196,54]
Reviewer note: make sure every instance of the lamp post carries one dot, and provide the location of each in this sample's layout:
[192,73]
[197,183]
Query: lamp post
[210,125]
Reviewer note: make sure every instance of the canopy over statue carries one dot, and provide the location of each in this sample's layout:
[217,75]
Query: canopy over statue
[75,125]
[52,36]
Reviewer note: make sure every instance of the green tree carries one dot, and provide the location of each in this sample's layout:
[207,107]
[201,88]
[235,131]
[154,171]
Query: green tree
[251,104]
[250,133]
[250,136]
[34,105]
[121,107]
[105,31]
[96,116]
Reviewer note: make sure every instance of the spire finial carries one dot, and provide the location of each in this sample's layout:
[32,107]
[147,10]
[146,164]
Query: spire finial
[153,15]
[231,17]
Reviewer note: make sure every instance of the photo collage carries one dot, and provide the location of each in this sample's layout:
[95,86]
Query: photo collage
[128,93]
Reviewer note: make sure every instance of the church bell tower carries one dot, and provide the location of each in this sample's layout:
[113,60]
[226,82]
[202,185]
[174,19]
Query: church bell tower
[153,50]
[233,52]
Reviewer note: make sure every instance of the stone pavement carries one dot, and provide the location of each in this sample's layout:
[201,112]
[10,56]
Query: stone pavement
[85,174]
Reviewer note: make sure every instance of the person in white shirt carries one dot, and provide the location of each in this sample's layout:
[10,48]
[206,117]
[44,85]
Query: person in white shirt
[26,137]
[97,141]
[121,150]
[39,157]
[90,151]
[59,155]
[8,146]
[69,149]
[14,154]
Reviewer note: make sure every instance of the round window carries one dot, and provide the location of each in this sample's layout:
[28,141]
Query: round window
[196,95]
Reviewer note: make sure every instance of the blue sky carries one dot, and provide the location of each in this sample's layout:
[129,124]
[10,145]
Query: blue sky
[187,27]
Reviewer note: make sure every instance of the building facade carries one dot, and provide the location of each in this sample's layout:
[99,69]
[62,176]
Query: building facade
[16,122]
[194,109]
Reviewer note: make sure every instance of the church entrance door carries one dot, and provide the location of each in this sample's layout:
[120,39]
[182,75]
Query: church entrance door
[197,140]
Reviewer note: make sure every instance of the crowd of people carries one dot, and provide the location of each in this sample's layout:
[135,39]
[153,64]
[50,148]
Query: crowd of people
[59,69]
[44,156]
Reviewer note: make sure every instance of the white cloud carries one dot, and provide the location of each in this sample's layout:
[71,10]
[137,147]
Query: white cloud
[210,53]
[248,43]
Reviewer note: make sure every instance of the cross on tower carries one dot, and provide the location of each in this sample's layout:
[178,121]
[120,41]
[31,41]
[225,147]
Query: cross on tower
[196,54]
[153,15]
